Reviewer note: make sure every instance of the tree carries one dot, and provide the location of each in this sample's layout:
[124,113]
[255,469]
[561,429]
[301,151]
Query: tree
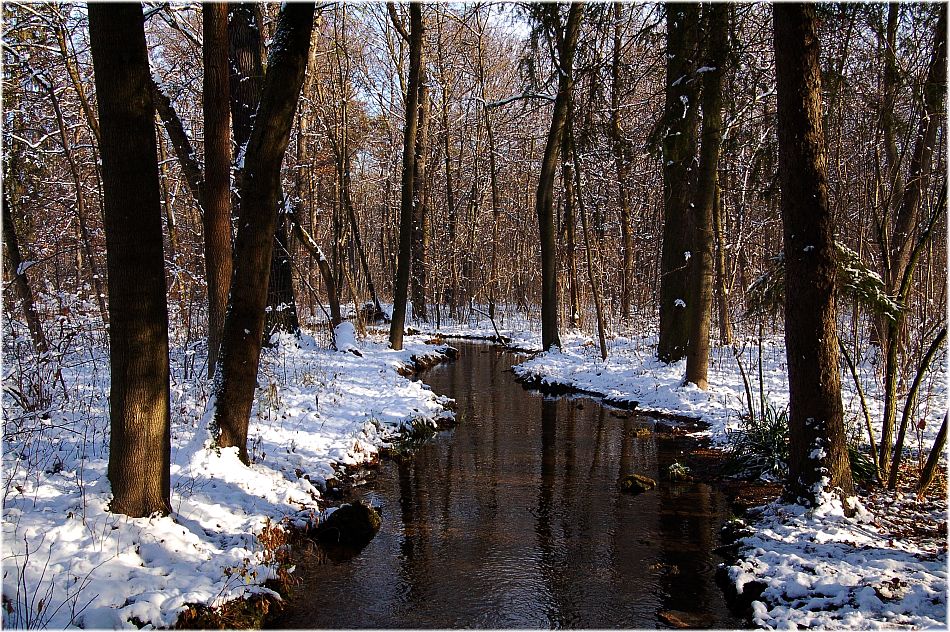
[818,454]
[566,42]
[697,356]
[247,76]
[679,129]
[14,260]
[217,179]
[902,248]
[620,160]
[260,192]
[140,444]
[404,262]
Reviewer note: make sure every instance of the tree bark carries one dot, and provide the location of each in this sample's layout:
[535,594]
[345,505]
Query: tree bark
[217,180]
[544,198]
[818,453]
[420,218]
[247,75]
[722,284]
[15,261]
[404,261]
[697,356]
[679,168]
[259,193]
[140,443]
[626,231]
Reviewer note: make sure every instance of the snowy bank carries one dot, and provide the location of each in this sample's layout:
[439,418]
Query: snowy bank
[67,561]
[820,569]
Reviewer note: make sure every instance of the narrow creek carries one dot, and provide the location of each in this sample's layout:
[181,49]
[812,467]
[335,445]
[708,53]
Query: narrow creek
[514,519]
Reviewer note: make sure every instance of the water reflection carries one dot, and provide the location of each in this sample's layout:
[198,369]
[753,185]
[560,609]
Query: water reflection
[514,520]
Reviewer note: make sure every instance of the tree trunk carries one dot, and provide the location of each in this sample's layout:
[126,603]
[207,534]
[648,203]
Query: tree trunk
[909,405]
[217,180]
[933,459]
[679,167]
[140,443]
[308,242]
[419,210]
[404,260]
[544,198]
[570,232]
[588,246]
[247,74]
[260,195]
[902,241]
[15,260]
[818,453]
[626,231]
[722,284]
[697,357]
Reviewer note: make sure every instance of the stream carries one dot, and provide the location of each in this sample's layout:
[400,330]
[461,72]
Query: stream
[514,519]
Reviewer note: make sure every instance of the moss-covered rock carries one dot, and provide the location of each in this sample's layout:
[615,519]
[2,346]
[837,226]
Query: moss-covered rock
[353,525]
[636,483]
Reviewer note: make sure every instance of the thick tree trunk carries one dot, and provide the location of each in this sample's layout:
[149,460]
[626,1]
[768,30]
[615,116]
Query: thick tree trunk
[404,261]
[217,180]
[818,453]
[679,168]
[544,199]
[260,194]
[140,443]
[697,357]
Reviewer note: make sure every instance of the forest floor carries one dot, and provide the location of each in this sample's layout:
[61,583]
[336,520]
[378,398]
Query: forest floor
[67,561]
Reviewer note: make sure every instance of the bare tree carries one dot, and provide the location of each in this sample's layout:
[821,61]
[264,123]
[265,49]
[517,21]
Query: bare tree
[216,192]
[404,262]
[679,130]
[566,36]
[697,356]
[260,194]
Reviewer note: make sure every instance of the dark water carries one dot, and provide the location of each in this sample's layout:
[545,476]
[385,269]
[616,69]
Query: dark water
[514,520]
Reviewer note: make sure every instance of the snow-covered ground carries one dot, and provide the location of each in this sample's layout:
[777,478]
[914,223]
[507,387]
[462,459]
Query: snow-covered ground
[821,569]
[67,561]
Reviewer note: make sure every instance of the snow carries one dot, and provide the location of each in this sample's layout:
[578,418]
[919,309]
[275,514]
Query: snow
[68,561]
[822,569]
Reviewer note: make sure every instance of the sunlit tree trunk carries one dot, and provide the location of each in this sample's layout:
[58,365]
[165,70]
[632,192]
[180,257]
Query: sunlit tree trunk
[140,441]
[818,453]
[217,179]
[246,80]
[260,193]
[697,357]
[404,261]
